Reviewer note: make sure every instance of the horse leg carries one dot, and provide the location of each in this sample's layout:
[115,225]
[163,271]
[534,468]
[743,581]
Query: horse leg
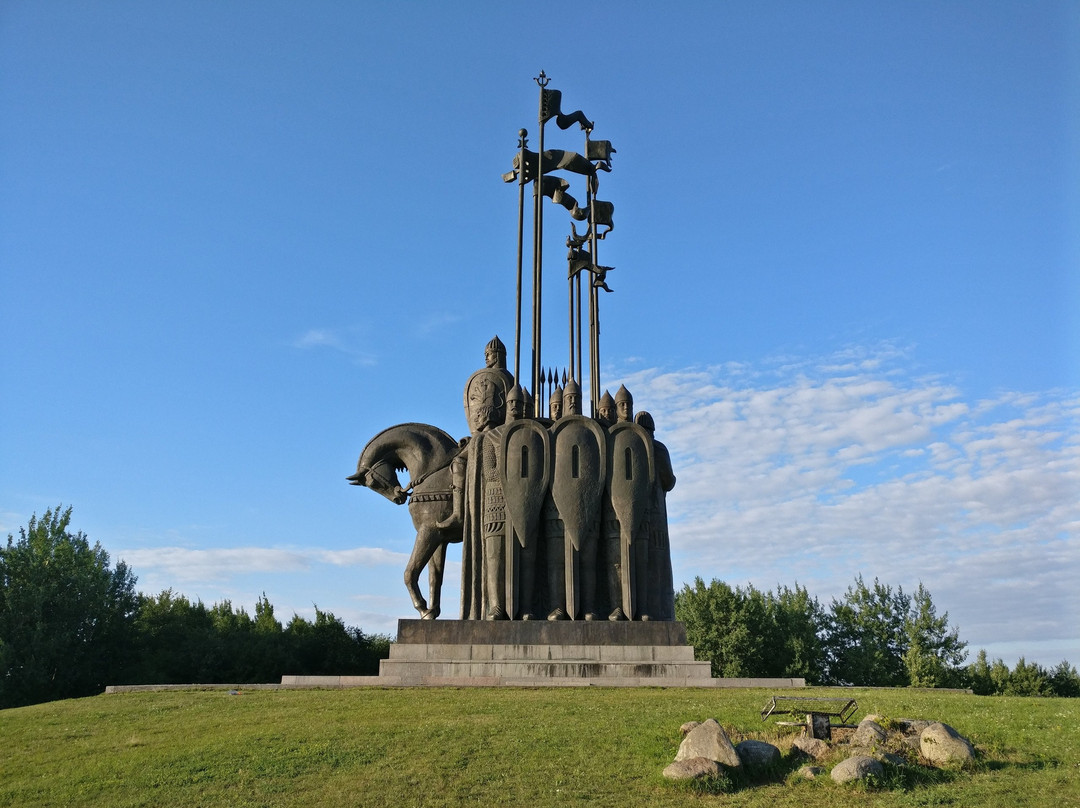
[435,577]
[427,541]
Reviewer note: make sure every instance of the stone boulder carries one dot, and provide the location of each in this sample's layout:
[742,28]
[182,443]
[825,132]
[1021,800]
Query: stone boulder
[869,733]
[684,730]
[692,769]
[811,747]
[941,744]
[757,754]
[810,772]
[858,767]
[708,740]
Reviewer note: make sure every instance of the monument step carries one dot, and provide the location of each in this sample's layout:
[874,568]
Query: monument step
[643,672]
[576,653]
[341,682]
[540,632]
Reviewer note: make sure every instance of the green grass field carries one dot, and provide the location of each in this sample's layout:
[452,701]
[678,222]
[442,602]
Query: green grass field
[529,747]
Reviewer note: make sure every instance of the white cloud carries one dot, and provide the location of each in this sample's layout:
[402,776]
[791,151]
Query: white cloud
[337,340]
[191,564]
[818,471]
[799,471]
[362,557]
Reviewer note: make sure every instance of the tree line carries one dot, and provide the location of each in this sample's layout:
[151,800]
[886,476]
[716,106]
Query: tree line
[873,636]
[70,624]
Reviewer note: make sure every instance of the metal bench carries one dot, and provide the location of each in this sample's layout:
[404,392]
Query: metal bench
[819,713]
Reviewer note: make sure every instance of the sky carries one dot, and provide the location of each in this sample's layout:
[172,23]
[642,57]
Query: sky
[239,239]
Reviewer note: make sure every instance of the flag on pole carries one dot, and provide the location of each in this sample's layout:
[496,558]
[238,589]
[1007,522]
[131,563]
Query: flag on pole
[550,107]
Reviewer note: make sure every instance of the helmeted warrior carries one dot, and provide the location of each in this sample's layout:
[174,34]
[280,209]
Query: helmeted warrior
[661,584]
[624,404]
[605,413]
[555,404]
[515,404]
[571,398]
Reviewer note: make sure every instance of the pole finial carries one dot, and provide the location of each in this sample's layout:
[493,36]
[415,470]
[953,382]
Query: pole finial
[542,79]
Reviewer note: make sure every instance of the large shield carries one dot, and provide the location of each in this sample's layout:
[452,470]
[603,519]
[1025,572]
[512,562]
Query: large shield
[577,489]
[525,464]
[631,477]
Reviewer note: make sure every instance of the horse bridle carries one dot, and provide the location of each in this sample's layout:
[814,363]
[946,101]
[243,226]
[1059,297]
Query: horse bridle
[412,483]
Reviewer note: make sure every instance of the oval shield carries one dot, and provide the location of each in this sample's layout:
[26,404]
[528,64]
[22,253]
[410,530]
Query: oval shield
[580,473]
[525,466]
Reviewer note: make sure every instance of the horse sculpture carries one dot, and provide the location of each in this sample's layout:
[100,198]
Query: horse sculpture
[425,452]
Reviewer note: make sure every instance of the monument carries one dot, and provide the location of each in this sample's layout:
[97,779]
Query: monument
[566,563]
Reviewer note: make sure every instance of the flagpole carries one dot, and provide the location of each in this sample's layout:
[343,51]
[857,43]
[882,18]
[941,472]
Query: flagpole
[522,134]
[594,295]
[570,305]
[538,235]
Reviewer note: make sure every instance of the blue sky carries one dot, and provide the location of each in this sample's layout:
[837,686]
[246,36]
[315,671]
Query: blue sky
[239,239]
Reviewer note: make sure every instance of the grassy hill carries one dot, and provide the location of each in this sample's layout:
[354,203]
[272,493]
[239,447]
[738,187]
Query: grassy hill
[431,747]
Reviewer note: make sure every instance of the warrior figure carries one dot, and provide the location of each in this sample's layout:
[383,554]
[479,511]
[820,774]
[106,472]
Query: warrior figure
[605,413]
[477,491]
[661,585]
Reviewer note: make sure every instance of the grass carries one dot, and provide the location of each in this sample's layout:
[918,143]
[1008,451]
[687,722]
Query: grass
[528,747]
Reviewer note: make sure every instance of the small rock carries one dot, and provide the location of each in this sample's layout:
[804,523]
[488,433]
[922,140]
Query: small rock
[868,734]
[692,769]
[810,772]
[858,767]
[684,730]
[940,743]
[708,740]
[811,747]
[757,754]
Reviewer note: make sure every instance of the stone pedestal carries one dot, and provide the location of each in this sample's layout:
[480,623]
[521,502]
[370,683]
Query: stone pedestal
[476,653]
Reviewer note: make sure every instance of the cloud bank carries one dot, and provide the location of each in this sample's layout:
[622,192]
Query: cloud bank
[818,470]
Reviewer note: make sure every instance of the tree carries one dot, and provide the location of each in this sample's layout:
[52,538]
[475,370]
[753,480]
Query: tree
[798,620]
[724,626]
[65,616]
[1027,679]
[1064,681]
[934,651]
[979,678]
[745,632]
[865,636]
[173,640]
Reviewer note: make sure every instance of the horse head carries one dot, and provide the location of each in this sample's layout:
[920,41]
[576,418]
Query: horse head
[381,477]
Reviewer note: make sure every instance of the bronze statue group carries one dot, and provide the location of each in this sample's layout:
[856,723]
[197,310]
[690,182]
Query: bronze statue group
[563,516]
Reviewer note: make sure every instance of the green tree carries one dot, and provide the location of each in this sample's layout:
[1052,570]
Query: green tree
[265,622]
[1027,679]
[175,640]
[798,621]
[725,626]
[934,651]
[865,636]
[999,676]
[978,675]
[65,615]
[1064,681]
[746,632]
